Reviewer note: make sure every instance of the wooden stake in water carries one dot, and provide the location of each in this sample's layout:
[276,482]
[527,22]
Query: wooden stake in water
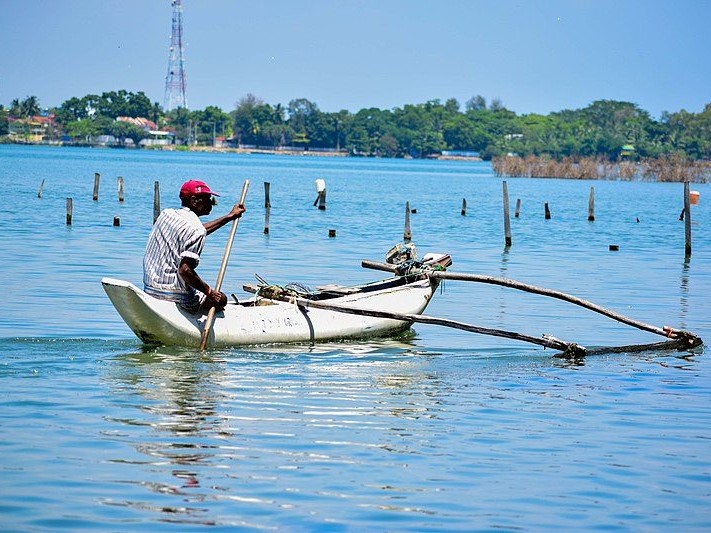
[407,234]
[39,191]
[687,221]
[591,205]
[267,207]
[507,219]
[120,188]
[117,221]
[70,208]
[548,211]
[321,190]
[464,206]
[518,207]
[96,185]
[156,201]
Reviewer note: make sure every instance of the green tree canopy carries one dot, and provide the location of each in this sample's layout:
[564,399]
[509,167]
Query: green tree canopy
[28,107]
[605,128]
[4,126]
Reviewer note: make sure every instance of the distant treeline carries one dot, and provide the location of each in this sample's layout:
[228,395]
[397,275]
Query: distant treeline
[606,129]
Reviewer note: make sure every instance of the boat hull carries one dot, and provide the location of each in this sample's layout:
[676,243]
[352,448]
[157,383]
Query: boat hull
[263,321]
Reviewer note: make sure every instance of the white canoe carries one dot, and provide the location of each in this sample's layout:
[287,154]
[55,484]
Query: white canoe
[262,320]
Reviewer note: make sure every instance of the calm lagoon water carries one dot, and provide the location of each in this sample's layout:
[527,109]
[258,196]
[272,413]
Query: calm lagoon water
[434,430]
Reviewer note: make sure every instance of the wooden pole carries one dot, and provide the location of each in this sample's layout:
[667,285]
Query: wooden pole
[687,222]
[70,208]
[569,349]
[547,211]
[267,207]
[507,218]
[591,205]
[464,206]
[223,269]
[407,234]
[96,186]
[665,331]
[156,200]
[545,341]
[39,191]
[321,190]
[518,207]
[120,188]
[117,221]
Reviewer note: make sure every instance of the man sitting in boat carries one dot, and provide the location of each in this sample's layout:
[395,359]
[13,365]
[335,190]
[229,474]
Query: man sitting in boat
[174,247]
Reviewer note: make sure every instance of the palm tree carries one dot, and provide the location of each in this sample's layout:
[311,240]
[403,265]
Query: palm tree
[30,106]
[16,109]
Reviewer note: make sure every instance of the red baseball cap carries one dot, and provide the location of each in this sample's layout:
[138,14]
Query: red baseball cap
[193,187]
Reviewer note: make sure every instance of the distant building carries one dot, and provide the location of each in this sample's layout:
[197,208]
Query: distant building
[31,129]
[627,150]
[460,154]
[141,122]
[157,137]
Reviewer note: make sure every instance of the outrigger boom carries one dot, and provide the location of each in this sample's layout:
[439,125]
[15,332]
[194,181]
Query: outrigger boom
[679,339]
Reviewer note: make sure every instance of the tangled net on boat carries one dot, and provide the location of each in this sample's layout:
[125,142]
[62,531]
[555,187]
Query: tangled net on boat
[277,292]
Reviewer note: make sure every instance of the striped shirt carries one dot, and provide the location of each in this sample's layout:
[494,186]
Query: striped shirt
[177,234]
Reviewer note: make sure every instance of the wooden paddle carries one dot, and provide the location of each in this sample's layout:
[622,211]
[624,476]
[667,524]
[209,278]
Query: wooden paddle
[223,268]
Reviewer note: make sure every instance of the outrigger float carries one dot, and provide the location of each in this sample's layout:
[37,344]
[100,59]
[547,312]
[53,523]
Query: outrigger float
[294,314]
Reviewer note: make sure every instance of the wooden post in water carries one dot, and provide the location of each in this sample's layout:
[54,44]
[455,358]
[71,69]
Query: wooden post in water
[407,234]
[321,190]
[464,206]
[96,185]
[120,188]
[548,211]
[267,207]
[156,201]
[687,222]
[591,205]
[117,221]
[507,218]
[518,207]
[39,191]
[70,208]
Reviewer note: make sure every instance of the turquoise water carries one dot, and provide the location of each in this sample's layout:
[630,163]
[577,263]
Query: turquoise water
[437,429]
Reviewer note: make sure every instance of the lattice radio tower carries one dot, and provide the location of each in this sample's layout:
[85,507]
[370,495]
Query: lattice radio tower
[175,81]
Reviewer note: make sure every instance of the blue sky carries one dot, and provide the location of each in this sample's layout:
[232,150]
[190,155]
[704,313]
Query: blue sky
[536,56]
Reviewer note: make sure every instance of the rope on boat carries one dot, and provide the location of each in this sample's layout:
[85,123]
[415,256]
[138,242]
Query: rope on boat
[277,292]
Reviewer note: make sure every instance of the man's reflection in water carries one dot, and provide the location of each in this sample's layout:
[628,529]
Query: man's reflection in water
[177,394]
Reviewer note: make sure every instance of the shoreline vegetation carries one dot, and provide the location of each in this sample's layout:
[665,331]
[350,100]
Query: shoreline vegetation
[666,168]
[607,139]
